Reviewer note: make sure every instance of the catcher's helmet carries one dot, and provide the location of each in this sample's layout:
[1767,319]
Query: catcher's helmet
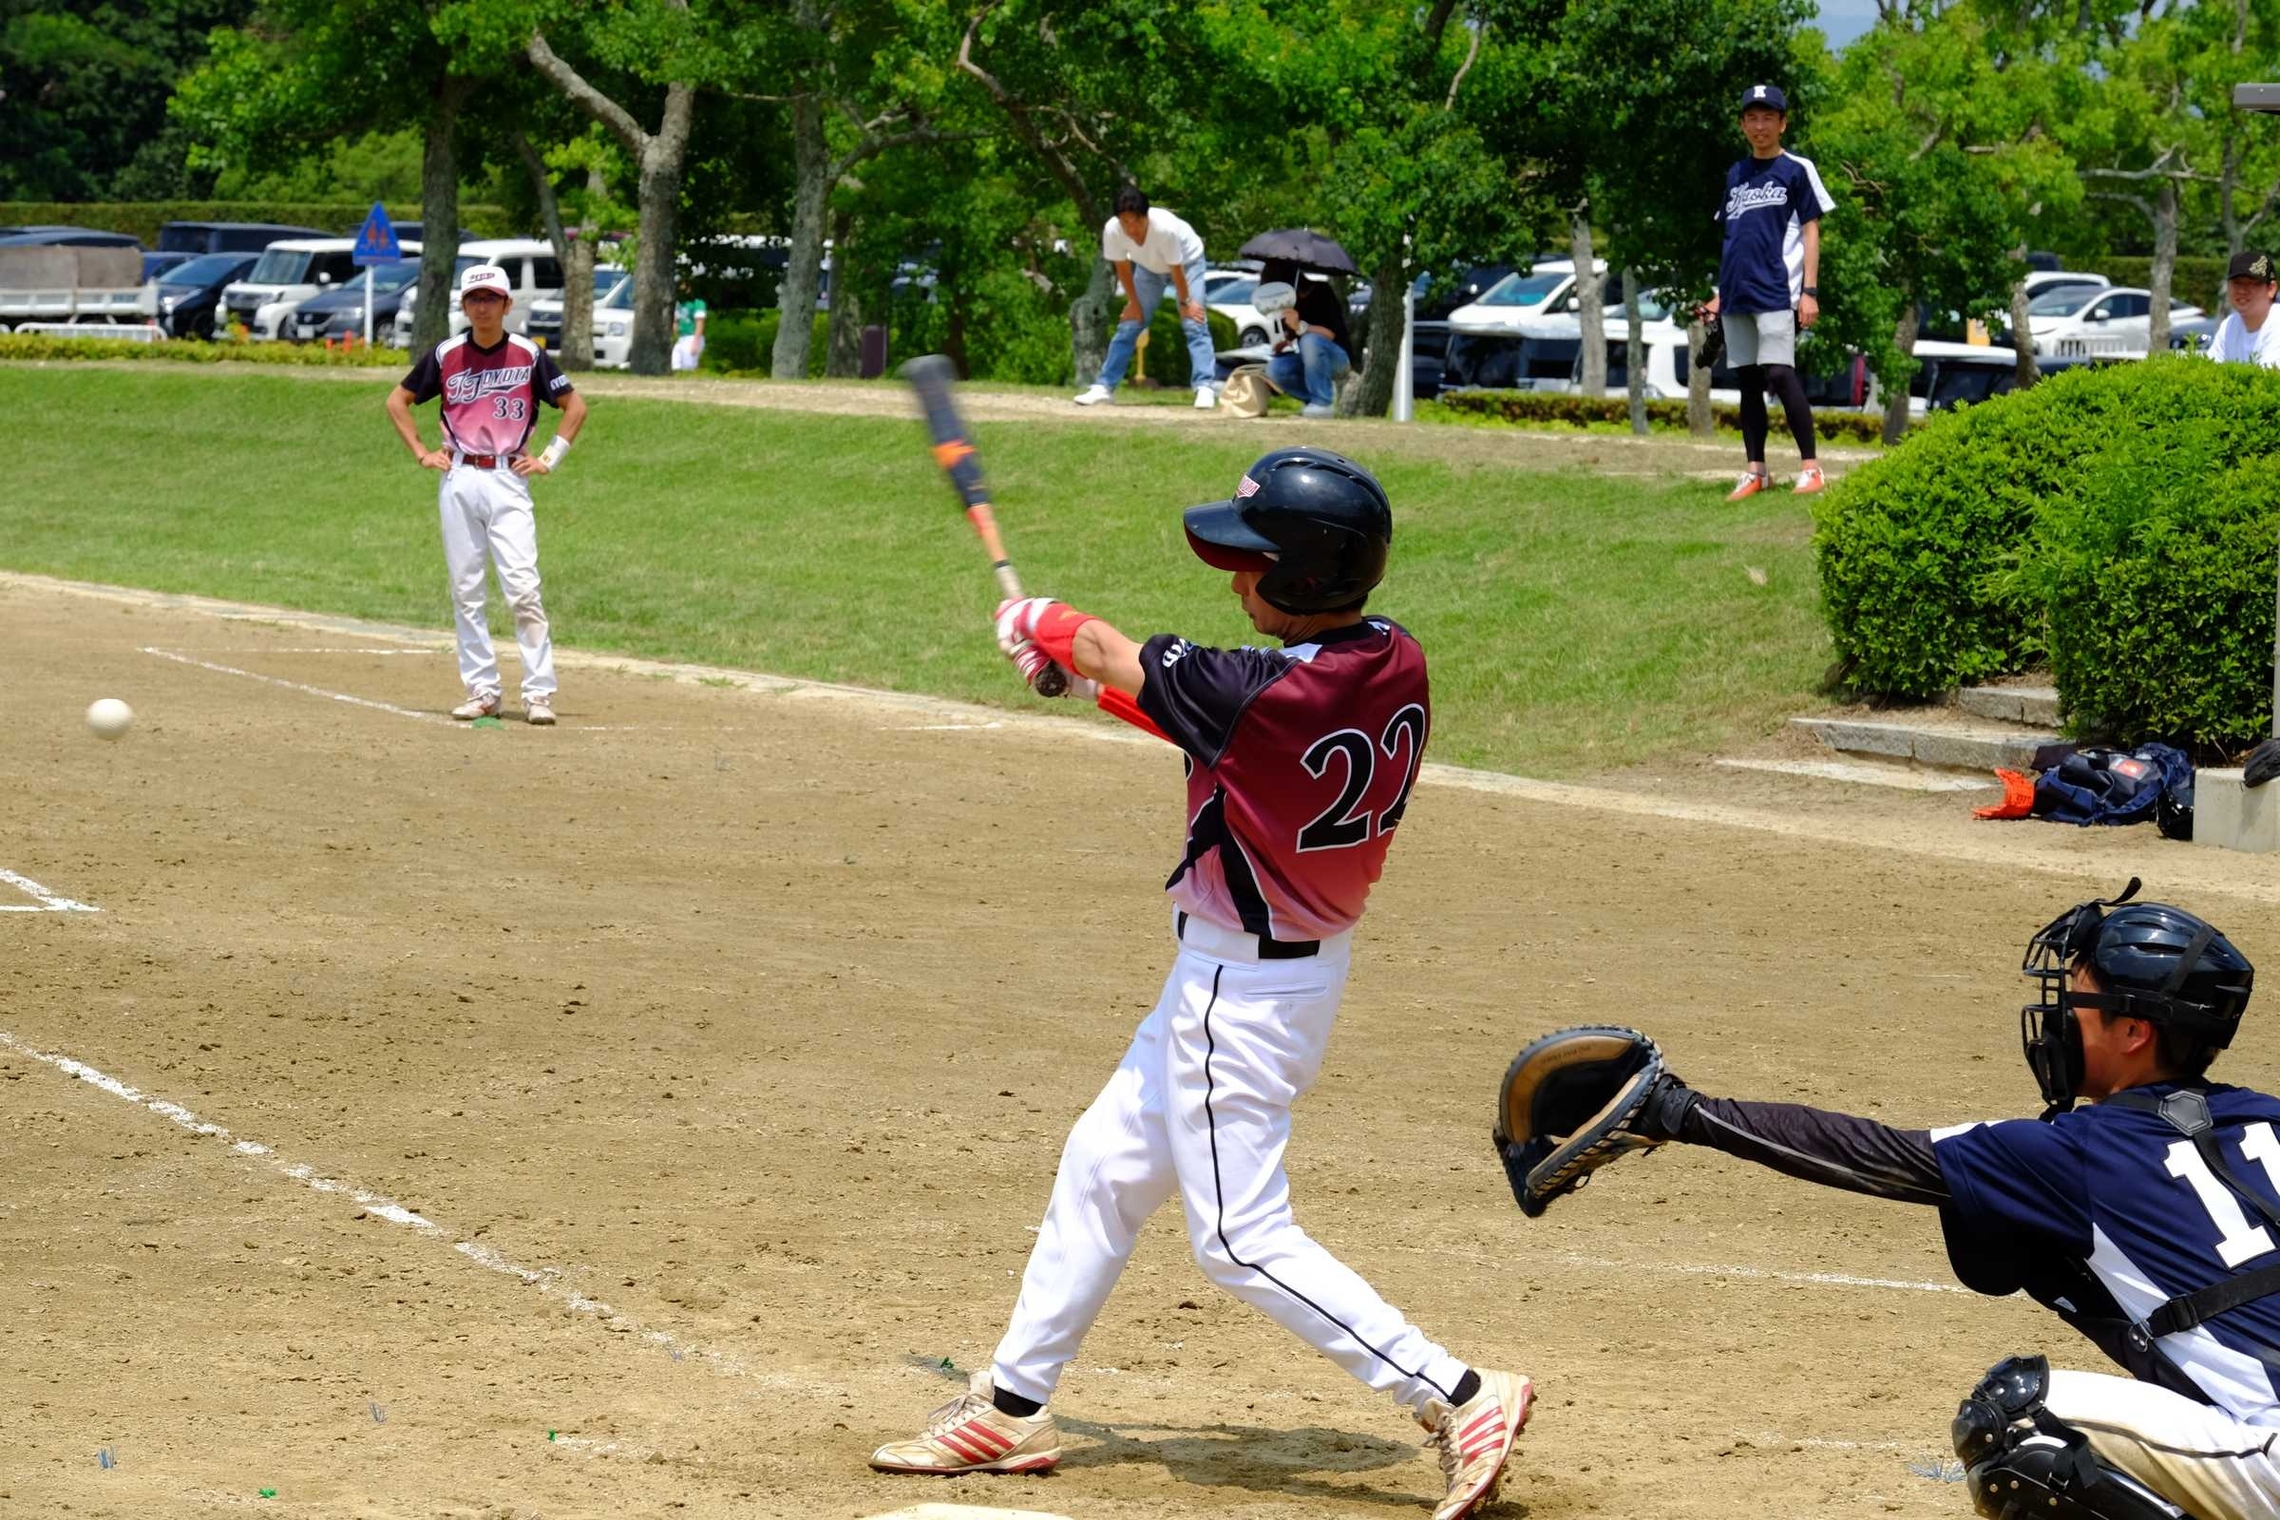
[1315,522]
[2156,962]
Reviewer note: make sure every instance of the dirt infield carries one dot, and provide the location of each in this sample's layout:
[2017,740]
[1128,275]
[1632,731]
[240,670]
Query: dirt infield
[648,1116]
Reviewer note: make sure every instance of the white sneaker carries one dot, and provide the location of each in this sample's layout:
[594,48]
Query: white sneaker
[1205,398]
[1475,1441]
[971,1434]
[539,710]
[476,707]
[1096,395]
[1318,409]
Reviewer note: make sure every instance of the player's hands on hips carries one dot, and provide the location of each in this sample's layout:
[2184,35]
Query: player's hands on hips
[434,459]
[531,464]
[1808,310]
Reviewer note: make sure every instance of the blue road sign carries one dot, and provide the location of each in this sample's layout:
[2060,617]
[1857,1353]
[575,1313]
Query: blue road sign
[376,243]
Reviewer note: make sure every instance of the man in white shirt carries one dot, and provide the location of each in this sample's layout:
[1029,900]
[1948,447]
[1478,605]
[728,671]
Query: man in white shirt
[2248,335]
[1151,248]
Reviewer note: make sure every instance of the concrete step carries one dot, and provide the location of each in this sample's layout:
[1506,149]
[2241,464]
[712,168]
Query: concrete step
[1932,736]
[1898,775]
[2033,706]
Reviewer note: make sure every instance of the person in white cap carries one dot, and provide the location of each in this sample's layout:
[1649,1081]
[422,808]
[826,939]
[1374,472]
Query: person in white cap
[492,383]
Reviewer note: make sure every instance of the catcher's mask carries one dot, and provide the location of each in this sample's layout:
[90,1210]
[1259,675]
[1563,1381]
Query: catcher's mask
[2152,962]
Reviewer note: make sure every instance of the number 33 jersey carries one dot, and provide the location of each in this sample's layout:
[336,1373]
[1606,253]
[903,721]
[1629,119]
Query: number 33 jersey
[1300,762]
[490,395]
[2114,1203]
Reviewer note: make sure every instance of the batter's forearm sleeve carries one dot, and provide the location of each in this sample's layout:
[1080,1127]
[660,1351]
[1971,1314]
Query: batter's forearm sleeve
[1117,705]
[1837,1150]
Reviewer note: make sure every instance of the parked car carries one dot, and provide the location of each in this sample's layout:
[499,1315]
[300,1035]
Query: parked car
[156,264]
[532,269]
[339,312]
[68,237]
[1523,332]
[544,326]
[2077,321]
[228,237]
[287,273]
[189,292]
[2041,280]
[2193,334]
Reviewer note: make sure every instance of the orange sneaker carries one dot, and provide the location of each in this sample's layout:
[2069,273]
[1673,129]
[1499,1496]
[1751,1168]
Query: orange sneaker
[1748,486]
[1809,480]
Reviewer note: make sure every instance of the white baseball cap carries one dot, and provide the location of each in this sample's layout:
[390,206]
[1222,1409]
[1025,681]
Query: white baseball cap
[485,277]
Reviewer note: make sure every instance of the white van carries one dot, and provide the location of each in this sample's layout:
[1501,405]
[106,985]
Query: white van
[532,269]
[287,273]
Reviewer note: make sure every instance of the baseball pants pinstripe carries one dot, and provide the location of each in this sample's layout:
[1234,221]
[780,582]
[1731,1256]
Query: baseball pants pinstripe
[1200,1104]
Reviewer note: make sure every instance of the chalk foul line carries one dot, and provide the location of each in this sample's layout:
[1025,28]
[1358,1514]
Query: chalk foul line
[550,1281]
[314,691]
[46,901]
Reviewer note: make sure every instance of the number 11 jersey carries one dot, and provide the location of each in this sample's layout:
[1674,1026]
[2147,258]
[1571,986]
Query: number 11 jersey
[1300,762]
[490,395]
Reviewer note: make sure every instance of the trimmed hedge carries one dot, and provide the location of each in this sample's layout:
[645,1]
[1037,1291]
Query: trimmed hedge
[142,219]
[744,343]
[2105,520]
[1165,360]
[38,346]
[1582,411]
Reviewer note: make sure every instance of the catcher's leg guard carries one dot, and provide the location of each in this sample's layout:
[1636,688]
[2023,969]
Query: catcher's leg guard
[2021,1460]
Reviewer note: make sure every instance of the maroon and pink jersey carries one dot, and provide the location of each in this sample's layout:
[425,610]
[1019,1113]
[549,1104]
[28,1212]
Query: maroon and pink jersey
[490,395]
[1300,762]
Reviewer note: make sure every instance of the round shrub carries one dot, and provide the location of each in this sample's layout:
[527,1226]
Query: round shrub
[1923,552]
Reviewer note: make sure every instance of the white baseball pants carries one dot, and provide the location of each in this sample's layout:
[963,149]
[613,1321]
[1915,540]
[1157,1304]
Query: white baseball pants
[487,520]
[2192,1454]
[1200,1104]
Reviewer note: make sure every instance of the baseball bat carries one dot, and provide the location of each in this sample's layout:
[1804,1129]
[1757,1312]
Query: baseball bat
[932,377]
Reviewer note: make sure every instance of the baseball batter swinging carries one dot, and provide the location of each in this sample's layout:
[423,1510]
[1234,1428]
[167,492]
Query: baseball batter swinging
[1300,762]
[2149,1221]
[491,382]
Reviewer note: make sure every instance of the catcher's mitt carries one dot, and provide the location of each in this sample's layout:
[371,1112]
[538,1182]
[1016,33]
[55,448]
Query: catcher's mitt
[1570,1103]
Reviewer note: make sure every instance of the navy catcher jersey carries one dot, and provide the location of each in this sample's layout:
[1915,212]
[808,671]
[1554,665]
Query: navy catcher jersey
[1768,202]
[490,395]
[2124,1199]
[1300,762]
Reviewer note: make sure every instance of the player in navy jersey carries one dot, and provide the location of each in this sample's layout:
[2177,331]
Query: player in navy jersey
[2149,1221]
[1300,761]
[1767,282]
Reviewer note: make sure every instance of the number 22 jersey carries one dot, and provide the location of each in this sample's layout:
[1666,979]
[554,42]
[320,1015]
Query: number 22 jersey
[1300,762]
[490,395]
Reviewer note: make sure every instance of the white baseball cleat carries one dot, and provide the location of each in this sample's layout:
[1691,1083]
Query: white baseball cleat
[539,710]
[1474,1441]
[1096,395]
[476,707]
[1318,409]
[1205,398]
[971,1434]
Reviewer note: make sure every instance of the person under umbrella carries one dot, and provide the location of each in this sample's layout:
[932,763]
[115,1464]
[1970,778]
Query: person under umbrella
[1312,350]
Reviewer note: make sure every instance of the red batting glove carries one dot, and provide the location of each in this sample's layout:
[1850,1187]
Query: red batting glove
[1033,662]
[1052,626]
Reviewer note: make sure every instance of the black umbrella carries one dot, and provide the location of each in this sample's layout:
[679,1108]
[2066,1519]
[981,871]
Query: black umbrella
[1302,246]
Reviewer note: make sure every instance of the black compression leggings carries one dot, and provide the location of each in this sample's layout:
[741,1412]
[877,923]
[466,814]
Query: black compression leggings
[1782,378]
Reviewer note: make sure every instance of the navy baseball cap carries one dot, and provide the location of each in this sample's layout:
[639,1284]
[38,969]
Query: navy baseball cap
[1765,95]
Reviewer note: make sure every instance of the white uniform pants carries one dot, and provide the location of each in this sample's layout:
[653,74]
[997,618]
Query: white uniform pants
[1201,1104]
[487,520]
[2192,1454]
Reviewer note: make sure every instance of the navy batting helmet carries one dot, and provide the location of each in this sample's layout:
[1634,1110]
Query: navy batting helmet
[2155,962]
[1315,523]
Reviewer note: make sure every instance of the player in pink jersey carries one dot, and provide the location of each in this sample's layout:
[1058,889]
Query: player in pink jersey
[492,383]
[1300,762]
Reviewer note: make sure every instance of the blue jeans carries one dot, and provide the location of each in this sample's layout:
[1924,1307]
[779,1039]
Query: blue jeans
[1312,374]
[1203,367]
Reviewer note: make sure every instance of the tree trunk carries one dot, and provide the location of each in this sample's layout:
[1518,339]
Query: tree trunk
[1896,392]
[803,271]
[1092,321]
[2023,371]
[2164,266]
[1634,353]
[843,345]
[578,300]
[439,218]
[568,248]
[1372,394]
[1699,420]
[954,336]
[1590,303]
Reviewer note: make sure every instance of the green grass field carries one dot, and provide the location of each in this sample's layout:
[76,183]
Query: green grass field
[1574,622]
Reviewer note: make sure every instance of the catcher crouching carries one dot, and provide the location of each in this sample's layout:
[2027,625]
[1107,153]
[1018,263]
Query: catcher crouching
[2149,1220]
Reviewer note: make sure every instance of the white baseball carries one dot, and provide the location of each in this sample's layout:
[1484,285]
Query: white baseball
[109,717]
